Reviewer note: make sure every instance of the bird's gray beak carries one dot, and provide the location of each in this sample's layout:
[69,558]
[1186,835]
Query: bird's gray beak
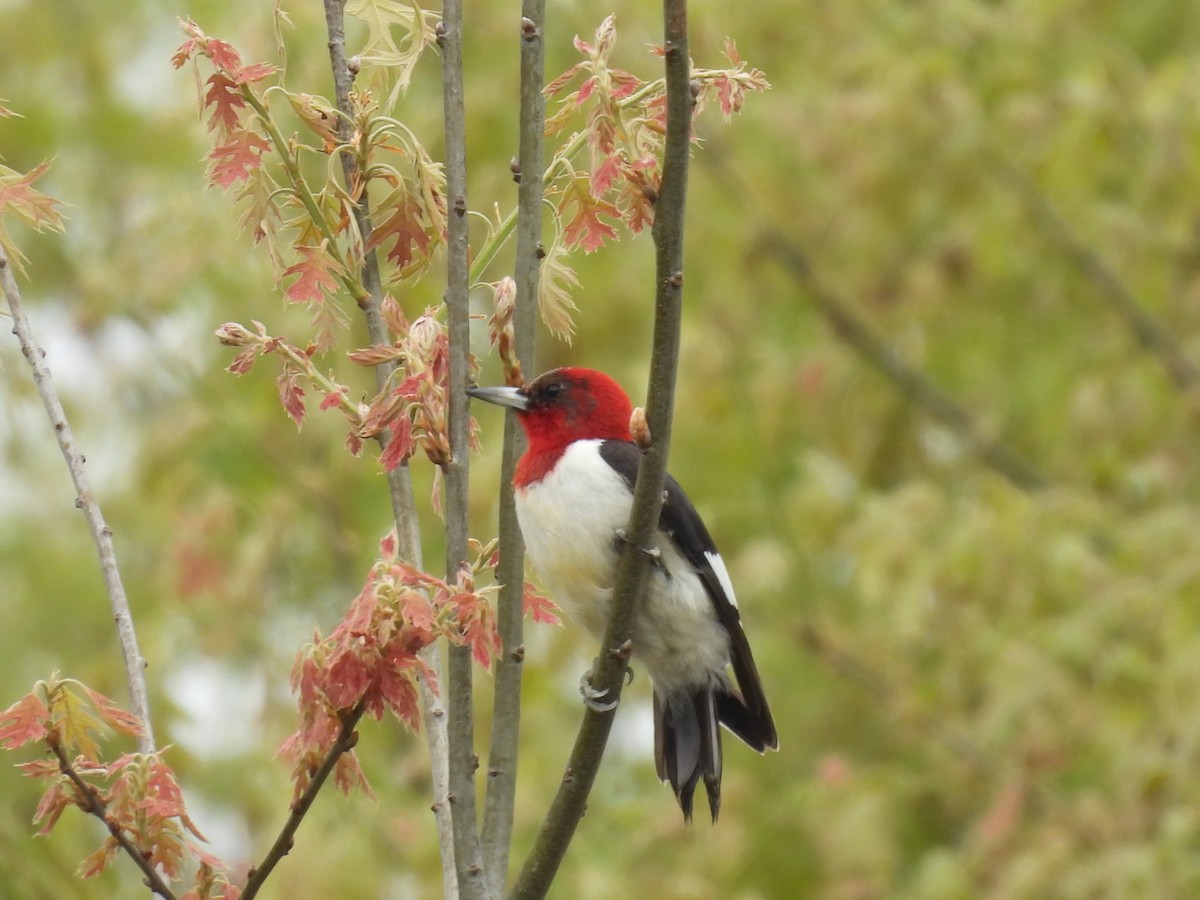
[501,396]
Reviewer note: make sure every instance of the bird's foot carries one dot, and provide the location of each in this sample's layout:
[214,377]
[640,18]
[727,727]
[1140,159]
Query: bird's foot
[593,699]
[620,537]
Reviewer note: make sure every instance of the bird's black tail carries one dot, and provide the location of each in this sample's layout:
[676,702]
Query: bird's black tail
[687,746]
[687,739]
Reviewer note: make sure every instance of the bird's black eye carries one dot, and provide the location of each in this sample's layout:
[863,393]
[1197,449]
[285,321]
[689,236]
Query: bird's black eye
[552,390]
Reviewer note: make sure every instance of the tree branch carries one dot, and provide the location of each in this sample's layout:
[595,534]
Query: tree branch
[85,499]
[404,508]
[633,570]
[1112,289]
[344,743]
[506,707]
[98,808]
[463,761]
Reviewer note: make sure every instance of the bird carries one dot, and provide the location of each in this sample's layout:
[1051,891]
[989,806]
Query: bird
[573,491]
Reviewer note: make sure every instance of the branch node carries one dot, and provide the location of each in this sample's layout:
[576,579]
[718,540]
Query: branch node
[676,279]
[518,654]
[439,31]
[623,652]
[529,29]
[514,166]
[541,250]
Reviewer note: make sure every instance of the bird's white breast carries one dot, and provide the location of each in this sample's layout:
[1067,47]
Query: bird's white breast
[570,519]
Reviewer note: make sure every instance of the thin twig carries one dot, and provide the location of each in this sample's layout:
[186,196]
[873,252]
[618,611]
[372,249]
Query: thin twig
[404,507]
[633,570]
[98,808]
[344,743]
[85,499]
[463,761]
[911,383]
[506,706]
[1153,337]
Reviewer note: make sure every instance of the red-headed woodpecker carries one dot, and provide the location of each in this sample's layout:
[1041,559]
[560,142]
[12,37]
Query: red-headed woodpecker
[574,491]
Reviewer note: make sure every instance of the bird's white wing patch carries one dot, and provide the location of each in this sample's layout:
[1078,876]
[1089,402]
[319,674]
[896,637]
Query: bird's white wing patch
[718,567]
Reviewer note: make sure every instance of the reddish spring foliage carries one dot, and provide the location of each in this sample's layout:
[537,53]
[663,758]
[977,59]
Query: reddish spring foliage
[624,121]
[414,407]
[539,607]
[291,395]
[19,198]
[137,794]
[224,58]
[26,721]
[500,330]
[241,146]
[584,227]
[403,228]
[315,275]
[234,160]
[371,657]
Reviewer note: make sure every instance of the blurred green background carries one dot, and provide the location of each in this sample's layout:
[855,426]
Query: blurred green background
[982,690]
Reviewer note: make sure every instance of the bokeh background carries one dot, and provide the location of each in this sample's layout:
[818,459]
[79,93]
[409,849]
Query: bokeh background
[955,485]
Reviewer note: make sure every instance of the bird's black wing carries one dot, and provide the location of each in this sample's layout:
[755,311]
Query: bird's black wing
[748,717]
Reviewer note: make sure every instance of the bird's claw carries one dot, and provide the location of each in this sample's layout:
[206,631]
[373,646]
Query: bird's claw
[593,699]
[653,552]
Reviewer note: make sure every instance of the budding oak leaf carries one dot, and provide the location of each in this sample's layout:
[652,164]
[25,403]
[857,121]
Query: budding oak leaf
[24,722]
[113,716]
[75,724]
[584,227]
[401,444]
[539,607]
[210,884]
[221,54]
[334,398]
[384,20]
[224,98]
[244,361]
[163,797]
[376,355]
[604,175]
[95,863]
[316,275]
[61,794]
[18,196]
[554,291]
[291,395]
[402,226]
[236,159]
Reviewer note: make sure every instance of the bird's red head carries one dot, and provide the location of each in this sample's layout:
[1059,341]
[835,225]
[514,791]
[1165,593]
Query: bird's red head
[559,407]
[572,404]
